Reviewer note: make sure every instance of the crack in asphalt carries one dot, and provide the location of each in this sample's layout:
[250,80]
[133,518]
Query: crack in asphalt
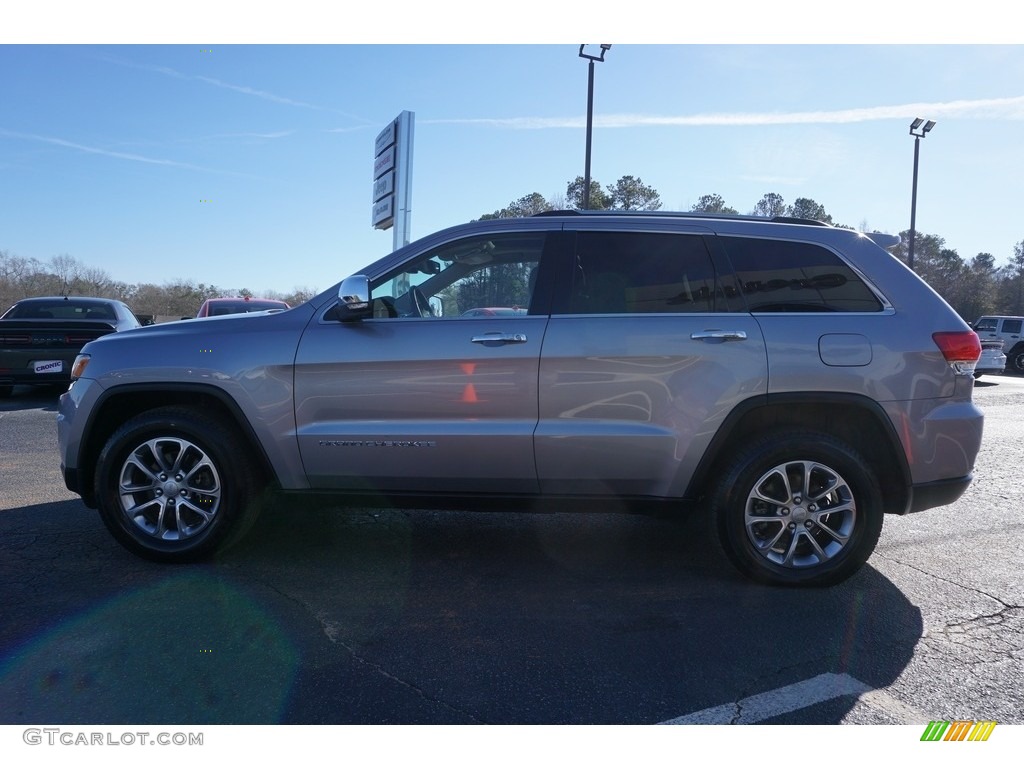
[332,631]
[738,705]
[976,635]
[965,587]
[988,638]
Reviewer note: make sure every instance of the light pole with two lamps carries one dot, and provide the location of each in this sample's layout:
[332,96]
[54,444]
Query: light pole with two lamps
[918,129]
[590,113]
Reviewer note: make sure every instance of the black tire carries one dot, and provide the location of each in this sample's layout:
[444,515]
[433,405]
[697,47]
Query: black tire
[217,494]
[1016,359]
[5,390]
[798,508]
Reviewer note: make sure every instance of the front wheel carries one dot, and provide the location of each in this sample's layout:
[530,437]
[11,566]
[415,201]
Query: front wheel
[798,509]
[176,485]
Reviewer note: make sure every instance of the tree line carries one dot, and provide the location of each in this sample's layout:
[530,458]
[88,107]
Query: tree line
[973,286]
[65,275]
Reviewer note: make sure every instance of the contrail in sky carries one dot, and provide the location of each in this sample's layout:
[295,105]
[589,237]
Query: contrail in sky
[111,153]
[1011,108]
[244,89]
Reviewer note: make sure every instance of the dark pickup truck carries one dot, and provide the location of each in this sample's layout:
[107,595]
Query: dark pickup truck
[40,337]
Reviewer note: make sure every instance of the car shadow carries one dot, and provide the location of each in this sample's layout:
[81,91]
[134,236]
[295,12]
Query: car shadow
[372,615]
[589,618]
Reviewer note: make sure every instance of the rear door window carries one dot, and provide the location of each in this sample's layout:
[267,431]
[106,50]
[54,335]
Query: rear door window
[1012,326]
[642,273]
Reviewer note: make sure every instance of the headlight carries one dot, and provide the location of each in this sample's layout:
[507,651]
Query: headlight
[78,367]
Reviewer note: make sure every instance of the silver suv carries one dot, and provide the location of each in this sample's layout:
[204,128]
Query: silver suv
[793,381]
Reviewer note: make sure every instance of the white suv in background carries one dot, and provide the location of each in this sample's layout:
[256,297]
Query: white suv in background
[1008,329]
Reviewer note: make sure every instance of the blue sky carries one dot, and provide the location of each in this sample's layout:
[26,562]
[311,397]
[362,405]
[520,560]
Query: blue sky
[249,165]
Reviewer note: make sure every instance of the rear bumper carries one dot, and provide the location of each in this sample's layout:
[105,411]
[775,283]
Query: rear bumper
[938,493]
[18,366]
[31,378]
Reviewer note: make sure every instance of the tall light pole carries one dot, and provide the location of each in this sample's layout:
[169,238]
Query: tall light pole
[590,113]
[917,130]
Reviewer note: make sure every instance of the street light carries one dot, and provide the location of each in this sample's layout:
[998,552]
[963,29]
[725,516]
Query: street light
[590,112]
[917,130]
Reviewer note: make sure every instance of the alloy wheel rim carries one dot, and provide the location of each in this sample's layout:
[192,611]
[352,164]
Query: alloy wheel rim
[800,514]
[169,489]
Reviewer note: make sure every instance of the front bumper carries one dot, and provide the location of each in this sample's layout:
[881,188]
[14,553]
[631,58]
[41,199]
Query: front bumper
[70,428]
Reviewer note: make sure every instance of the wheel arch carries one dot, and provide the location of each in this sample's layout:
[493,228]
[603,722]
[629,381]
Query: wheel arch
[119,404]
[855,419]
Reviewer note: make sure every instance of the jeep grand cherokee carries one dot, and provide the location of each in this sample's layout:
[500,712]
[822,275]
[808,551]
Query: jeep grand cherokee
[793,381]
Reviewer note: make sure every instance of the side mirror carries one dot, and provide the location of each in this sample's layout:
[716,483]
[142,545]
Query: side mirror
[354,299]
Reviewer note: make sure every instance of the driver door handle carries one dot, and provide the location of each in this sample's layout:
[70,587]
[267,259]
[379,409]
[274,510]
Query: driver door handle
[719,335]
[499,338]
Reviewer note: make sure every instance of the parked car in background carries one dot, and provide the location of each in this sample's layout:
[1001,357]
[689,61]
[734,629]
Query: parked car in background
[238,305]
[40,337]
[790,380]
[992,360]
[1008,329]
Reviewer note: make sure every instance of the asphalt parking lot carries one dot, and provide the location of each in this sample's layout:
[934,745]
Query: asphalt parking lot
[371,615]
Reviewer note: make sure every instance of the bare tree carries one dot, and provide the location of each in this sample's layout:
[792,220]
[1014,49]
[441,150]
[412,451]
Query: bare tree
[94,281]
[66,269]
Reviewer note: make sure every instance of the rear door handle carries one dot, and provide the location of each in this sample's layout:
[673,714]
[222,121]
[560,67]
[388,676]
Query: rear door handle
[719,335]
[499,338]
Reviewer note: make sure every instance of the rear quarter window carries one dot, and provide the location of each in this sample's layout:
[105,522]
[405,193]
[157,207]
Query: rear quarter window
[786,276]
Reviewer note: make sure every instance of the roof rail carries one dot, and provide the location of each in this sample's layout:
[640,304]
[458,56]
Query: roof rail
[798,220]
[686,215]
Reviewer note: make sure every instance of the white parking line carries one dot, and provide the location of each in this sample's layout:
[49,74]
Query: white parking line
[769,704]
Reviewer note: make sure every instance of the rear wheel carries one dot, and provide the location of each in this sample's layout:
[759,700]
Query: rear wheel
[798,509]
[177,485]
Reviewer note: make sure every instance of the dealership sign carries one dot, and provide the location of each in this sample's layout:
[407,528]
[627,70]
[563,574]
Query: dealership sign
[392,177]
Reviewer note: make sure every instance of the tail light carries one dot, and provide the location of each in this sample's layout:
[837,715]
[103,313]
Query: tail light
[960,348]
